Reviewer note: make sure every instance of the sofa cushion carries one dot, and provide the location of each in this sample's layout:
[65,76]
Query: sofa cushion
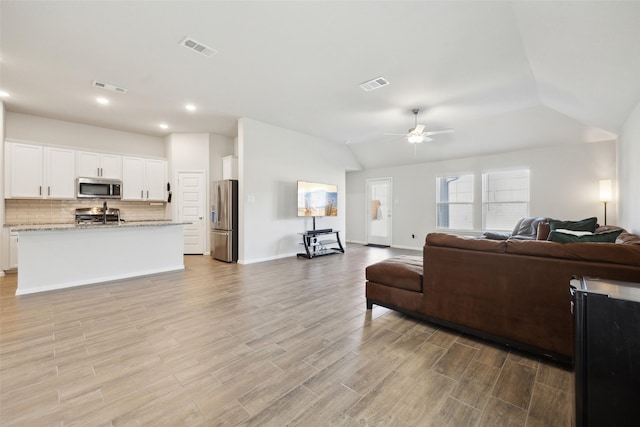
[624,238]
[471,243]
[569,236]
[588,224]
[628,239]
[402,271]
[612,253]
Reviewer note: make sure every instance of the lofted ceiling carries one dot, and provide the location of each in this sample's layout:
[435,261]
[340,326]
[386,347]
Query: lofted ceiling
[506,75]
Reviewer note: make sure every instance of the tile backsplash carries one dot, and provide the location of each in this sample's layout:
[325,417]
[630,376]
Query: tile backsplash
[63,211]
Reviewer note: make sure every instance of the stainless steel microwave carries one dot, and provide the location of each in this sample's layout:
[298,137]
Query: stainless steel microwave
[98,188]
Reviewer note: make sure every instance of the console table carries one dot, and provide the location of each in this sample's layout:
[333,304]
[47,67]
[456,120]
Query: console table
[321,242]
[607,363]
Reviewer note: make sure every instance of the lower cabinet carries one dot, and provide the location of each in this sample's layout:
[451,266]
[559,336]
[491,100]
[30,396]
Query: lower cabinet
[13,250]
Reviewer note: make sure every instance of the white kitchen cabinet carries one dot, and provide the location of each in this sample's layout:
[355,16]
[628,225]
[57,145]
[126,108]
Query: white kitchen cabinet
[155,179]
[59,173]
[144,179]
[34,171]
[230,167]
[24,171]
[98,165]
[13,250]
[132,178]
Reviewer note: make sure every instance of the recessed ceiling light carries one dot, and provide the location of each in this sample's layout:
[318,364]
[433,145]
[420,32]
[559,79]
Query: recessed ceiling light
[4,94]
[190,107]
[164,126]
[102,101]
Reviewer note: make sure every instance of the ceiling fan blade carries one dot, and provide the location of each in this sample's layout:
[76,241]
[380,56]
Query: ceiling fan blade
[427,139]
[418,129]
[397,134]
[437,132]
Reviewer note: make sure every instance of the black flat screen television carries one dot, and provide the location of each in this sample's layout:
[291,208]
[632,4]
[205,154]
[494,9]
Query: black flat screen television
[315,199]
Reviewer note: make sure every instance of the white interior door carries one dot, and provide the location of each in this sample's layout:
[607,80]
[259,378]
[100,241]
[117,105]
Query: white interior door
[191,203]
[379,209]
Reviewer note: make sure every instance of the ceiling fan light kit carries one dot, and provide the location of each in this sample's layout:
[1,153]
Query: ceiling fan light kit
[417,134]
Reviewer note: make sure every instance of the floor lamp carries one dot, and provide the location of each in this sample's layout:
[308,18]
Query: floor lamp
[605,195]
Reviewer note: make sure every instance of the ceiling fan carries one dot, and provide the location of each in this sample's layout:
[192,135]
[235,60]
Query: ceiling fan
[417,134]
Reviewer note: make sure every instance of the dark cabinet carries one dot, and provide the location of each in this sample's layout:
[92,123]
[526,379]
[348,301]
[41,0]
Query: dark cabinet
[607,361]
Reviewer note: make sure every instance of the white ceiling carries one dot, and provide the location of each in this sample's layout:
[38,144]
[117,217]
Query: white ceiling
[505,75]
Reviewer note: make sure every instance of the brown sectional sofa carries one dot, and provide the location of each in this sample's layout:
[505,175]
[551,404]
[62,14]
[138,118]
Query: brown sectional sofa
[514,292]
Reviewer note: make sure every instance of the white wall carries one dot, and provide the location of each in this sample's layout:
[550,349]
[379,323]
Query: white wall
[564,185]
[4,237]
[75,135]
[629,173]
[188,152]
[219,146]
[271,160]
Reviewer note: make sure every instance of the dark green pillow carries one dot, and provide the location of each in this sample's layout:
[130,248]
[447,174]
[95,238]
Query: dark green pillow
[605,237]
[588,224]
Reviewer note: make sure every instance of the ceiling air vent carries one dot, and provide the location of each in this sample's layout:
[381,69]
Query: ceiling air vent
[190,43]
[107,86]
[374,84]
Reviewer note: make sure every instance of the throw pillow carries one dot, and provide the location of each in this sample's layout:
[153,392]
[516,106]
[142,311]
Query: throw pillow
[588,224]
[496,235]
[574,232]
[543,231]
[564,237]
[516,229]
[528,226]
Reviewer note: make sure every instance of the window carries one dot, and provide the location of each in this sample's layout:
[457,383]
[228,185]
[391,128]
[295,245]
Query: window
[454,202]
[505,199]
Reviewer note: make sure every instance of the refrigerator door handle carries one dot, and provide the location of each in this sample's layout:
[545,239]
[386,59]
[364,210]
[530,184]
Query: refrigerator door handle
[218,205]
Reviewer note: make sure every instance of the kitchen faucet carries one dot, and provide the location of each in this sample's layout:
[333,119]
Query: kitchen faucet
[104,212]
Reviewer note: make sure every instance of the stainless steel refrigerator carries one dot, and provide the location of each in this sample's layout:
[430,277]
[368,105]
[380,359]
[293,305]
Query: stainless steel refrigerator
[224,220]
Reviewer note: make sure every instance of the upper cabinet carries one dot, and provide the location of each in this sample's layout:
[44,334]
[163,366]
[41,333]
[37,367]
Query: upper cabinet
[59,173]
[98,165]
[144,179]
[24,171]
[230,167]
[33,171]
[155,177]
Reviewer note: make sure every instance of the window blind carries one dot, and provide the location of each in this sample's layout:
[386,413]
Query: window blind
[505,198]
[454,202]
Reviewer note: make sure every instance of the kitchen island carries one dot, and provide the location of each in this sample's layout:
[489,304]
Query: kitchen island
[60,256]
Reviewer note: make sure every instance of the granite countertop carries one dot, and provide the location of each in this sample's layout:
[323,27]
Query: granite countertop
[73,226]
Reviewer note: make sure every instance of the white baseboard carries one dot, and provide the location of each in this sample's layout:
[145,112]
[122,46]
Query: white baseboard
[356,242]
[98,280]
[413,248]
[270,258]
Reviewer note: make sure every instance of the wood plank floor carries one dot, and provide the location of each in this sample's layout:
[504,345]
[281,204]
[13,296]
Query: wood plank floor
[285,342]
